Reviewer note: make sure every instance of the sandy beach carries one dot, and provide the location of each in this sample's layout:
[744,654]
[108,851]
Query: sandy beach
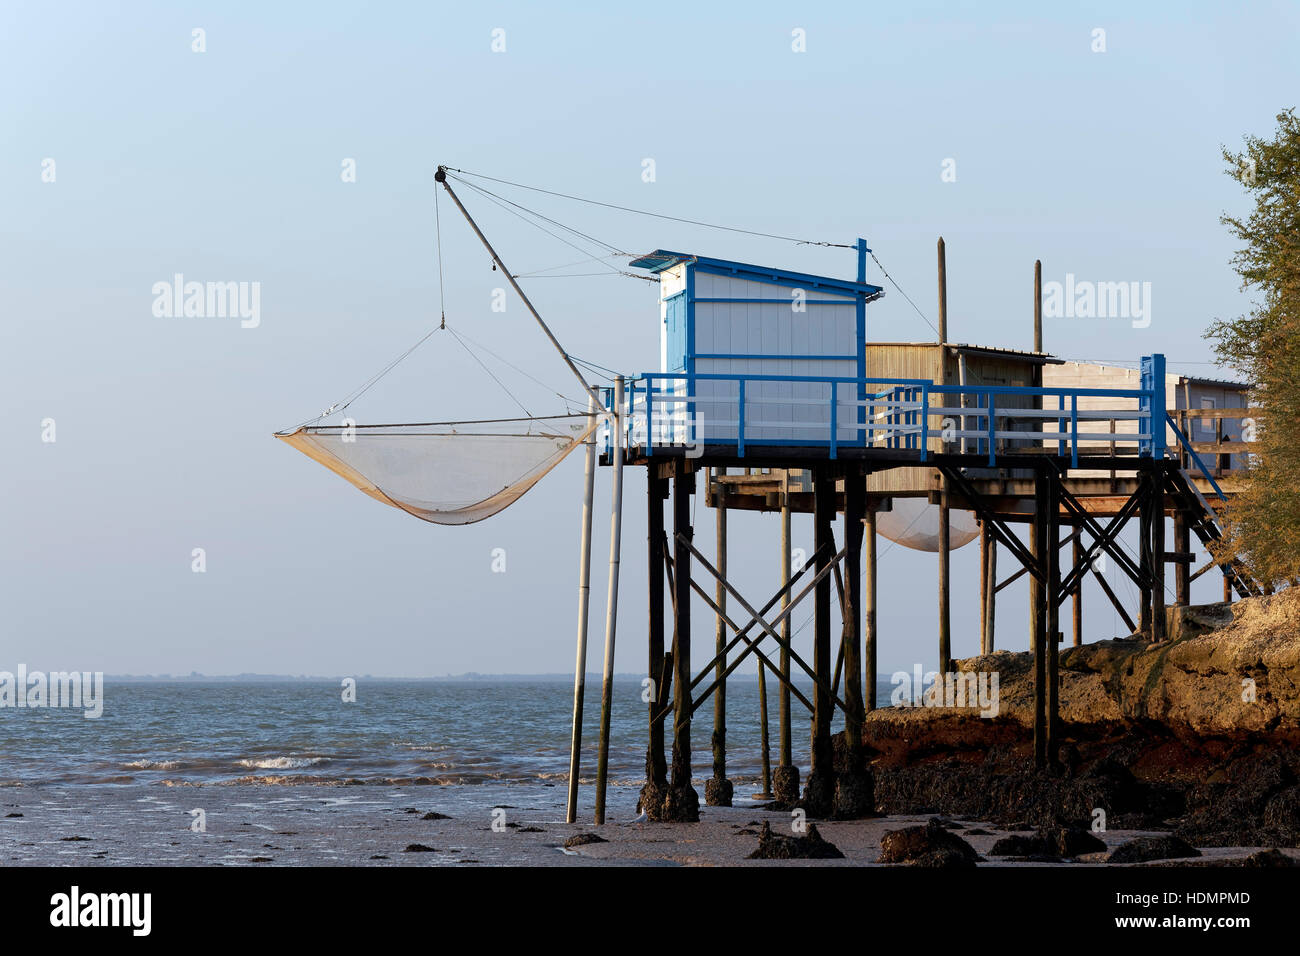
[251,825]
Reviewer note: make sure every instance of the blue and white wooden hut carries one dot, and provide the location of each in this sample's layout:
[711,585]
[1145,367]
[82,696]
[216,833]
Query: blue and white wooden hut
[787,349]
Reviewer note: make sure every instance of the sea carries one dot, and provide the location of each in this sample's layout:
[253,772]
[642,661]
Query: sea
[453,732]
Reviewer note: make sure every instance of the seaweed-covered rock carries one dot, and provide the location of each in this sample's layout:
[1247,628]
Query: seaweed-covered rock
[924,844]
[811,846]
[583,839]
[855,795]
[1145,849]
[1269,858]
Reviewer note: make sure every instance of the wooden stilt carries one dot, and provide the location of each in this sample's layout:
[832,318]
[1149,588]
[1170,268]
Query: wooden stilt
[984,583]
[1038,305]
[1227,590]
[821,781]
[785,781]
[656,766]
[1183,571]
[1158,555]
[869,604]
[784,706]
[990,612]
[683,802]
[851,641]
[1145,523]
[1036,599]
[766,793]
[611,604]
[945,618]
[1042,547]
[584,603]
[717,792]
[1053,604]
[1076,597]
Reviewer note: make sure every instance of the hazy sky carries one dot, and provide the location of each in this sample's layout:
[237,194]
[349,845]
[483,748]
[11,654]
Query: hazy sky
[225,165]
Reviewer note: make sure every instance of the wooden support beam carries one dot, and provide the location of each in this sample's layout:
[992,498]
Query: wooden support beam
[1038,305]
[684,797]
[656,492]
[1076,552]
[1157,555]
[717,792]
[1038,616]
[990,610]
[945,618]
[984,583]
[1011,580]
[1146,522]
[819,793]
[1119,608]
[1053,601]
[1183,571]
[851,638]
[820,580]
[783,703]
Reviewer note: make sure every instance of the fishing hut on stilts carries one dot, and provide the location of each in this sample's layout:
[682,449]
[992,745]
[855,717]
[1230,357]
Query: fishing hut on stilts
[770,396]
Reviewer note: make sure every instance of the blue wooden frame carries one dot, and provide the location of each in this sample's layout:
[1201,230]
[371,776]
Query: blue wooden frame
[912,425]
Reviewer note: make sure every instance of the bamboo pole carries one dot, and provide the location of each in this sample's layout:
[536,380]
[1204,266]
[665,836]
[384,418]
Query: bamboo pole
[611,605]
[869,644]
[584,602]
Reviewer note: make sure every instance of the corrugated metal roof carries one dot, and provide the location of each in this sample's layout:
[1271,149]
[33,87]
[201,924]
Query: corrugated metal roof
[662,259]
[1042,358]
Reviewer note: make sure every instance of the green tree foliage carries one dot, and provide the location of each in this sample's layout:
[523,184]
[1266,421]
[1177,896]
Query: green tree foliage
[1264,345]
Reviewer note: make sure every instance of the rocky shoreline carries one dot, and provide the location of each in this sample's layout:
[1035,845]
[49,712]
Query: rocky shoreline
[1196,736]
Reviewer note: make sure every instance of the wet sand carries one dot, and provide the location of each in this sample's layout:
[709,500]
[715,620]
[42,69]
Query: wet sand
[259,825]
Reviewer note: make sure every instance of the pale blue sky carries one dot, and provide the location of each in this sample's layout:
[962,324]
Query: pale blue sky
[226,165]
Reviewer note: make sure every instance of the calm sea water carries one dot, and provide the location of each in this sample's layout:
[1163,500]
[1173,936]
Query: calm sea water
[444,732]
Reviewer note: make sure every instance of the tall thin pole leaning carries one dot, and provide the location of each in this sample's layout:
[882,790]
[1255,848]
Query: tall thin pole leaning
[611,605]
[584,601]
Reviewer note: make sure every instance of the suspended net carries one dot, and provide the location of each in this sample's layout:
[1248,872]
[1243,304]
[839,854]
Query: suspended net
[447,473]
[914,523]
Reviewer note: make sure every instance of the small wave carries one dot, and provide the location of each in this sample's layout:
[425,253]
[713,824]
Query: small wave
[152,764]
[280,763]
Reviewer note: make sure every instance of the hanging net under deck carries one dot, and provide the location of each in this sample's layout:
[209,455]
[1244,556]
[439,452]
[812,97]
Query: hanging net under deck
[914,523]
[447,473]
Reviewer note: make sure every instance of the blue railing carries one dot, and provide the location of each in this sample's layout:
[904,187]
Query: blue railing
[834,412]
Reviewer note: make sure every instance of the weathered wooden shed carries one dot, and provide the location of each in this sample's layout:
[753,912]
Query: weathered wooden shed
[1212,413]
[961,365]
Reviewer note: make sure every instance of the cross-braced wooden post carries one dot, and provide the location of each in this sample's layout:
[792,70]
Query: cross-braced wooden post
[820,791]
[659,673]
[682,803]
